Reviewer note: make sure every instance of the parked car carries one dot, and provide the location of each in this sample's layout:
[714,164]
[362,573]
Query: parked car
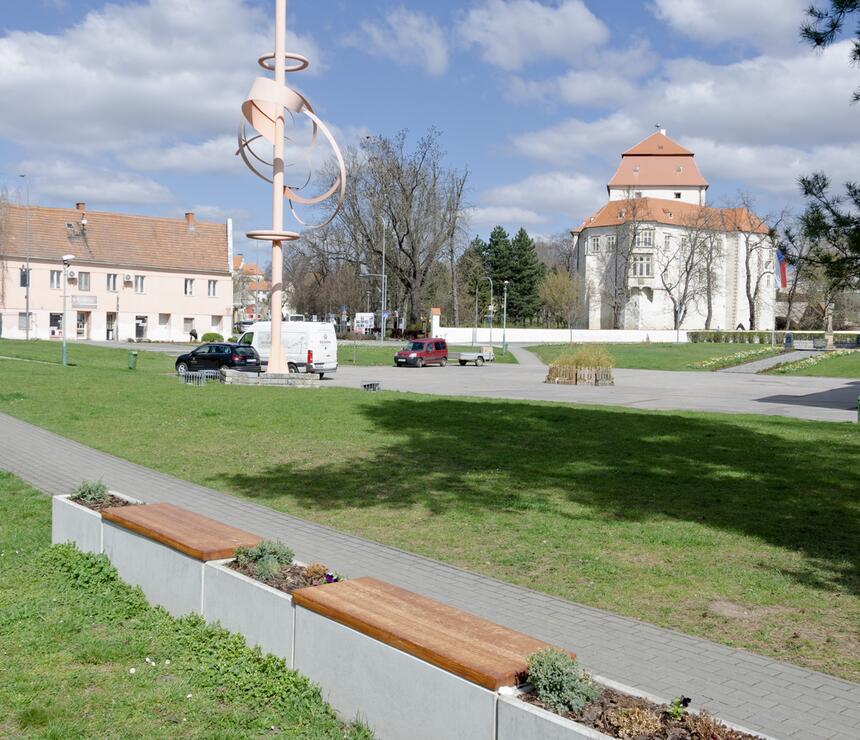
[218,355]
[308,346]
[421,352]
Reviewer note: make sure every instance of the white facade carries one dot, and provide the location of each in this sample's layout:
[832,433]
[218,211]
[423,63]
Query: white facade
[634,255]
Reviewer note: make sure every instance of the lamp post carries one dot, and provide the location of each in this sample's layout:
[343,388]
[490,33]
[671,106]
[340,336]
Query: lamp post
[492,308]
[384,291]
[505,320]
[27,294]
[67,260]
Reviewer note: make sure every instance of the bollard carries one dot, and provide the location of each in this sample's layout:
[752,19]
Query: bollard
[132,360]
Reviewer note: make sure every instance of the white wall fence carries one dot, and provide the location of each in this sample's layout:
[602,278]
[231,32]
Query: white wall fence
[464,335]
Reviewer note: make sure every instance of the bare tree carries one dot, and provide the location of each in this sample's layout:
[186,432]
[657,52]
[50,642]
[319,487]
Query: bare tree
[756,237]
[678,263]
[561,297]
[558,251]
[630,234]
[410,194]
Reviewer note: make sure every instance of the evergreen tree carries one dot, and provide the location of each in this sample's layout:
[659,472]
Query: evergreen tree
[500,264]
[471,268]
[525,277]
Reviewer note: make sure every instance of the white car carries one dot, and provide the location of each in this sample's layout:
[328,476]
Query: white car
[308,346]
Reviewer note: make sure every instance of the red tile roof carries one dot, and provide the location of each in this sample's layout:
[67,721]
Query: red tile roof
[647,171]
[657,145]
[116,239]
[673,213]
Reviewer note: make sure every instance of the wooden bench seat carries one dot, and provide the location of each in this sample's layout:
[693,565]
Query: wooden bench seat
[472,648]
[191,534]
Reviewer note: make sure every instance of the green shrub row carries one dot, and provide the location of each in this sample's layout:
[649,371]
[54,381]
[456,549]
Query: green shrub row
[764,337]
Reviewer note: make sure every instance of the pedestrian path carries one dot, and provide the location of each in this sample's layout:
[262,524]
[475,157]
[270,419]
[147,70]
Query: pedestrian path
[756,366]
[525,357]
[778,699]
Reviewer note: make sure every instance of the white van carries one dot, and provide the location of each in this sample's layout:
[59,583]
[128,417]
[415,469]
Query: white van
[308,346]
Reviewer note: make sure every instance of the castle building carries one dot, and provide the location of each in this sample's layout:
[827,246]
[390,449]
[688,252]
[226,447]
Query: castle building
[656,256]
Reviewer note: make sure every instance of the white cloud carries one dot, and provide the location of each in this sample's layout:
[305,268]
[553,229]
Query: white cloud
[134,74]
[587,87]
[550,194]
[213,156]
[575,140]
[74,181]
[407,37]
[514,33]
[764,25]
[506,215]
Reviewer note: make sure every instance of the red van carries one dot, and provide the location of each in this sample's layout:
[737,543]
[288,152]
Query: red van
[421,352]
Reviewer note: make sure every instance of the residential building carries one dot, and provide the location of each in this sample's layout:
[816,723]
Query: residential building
[655,256]
[251,289]
[132,277]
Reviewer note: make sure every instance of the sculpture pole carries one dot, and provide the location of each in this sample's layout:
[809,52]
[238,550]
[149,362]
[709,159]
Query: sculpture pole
[276,355]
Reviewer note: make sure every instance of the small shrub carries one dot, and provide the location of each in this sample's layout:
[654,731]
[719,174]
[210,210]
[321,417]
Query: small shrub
[233,338]
[90,492]
[635,722]
[274,554]
[559,681]
[316,570]
[589,355]
[212,336]
[678,707]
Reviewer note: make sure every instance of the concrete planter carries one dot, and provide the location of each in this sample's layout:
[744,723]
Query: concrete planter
[168,578]
[517,720]
[71,522]
[262,614]
[396,694]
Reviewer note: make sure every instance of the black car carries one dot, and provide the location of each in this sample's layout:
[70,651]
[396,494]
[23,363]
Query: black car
[217,355]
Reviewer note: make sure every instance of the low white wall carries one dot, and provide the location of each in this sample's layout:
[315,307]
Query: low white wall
[168,578]
[397,695]
[240,604]
[517,720]
[463,335]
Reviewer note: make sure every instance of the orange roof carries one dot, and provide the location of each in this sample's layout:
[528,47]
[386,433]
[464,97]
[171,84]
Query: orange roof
[116,239]
[657,145]
[647,171]
[237,261]
[673,213]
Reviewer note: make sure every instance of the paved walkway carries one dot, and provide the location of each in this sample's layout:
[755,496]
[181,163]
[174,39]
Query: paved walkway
[756,366]
[775,698]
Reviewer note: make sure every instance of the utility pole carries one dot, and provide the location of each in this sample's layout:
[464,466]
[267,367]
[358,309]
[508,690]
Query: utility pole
[67,260]
[505,320]
[27,294]
[492,308]
[384,288]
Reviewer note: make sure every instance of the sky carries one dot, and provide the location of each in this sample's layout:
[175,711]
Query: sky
[134,106]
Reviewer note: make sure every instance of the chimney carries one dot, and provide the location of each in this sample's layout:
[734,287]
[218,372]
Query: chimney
[663,131]
[190,220]
[81,206]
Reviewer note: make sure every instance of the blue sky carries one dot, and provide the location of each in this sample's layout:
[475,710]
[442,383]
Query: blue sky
[133,106]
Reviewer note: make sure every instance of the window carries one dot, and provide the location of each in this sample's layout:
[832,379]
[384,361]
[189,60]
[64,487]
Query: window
[641,265]
[595,245]
[440,345]
[216,323]
[164,319]
[644,239]
[637,194]
[111,282]
[22,320]
[56,279]
[187,325]
[212,284]
[247,338]
[83,281]
[610,242]
[24,277]
[189,286]
[138,283]
[667,241]
[55,322]
[677,196]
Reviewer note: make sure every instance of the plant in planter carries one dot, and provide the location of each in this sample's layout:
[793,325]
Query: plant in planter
[591,364]
[561,686]
[96,496]
[272,563]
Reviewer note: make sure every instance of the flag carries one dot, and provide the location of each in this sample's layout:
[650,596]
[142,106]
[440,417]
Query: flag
[783,277]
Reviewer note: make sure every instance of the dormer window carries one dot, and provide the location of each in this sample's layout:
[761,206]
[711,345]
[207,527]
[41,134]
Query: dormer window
[636,168]
[677,195]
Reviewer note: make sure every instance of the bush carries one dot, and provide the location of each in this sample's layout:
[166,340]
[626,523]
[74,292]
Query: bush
[233,338]
[559,681]
[588,355]
[212,336]
[90,492]
[270,552]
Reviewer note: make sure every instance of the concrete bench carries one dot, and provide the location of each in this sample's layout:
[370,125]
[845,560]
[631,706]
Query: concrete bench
[396,658]
[163,549]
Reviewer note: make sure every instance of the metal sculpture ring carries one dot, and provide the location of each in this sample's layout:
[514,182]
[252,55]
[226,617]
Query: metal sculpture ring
[267,62]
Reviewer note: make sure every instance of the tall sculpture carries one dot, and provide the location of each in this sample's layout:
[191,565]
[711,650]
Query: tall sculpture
[264,110]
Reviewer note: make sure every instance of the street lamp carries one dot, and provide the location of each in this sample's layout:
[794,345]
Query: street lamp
[492,308]
[67,260]
[27,294]
[475,333]
[505,320]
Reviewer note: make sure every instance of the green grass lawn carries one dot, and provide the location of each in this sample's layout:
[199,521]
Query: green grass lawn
[74,642]
[841,366]
[367,353]
[659,356]
[742,529]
